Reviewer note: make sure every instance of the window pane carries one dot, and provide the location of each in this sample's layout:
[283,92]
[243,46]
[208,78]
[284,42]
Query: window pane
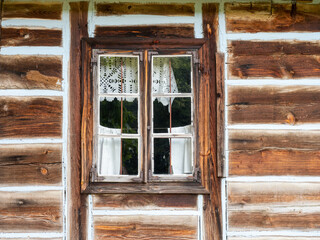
[112,162]
[129,156]
[180,113]
[177,151]
[110,114]
[118,74]
[171,74]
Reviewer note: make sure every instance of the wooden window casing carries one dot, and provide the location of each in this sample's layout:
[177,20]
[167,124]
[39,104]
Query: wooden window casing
[147,183]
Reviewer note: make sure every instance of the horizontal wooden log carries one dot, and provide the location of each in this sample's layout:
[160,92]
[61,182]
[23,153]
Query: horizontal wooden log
[274,162]
[257,140]
[268,220]
[30,72]
[274,48]
[30,164]
[31,211]
[272,194]
[133,201]
[145,227]
[30,117]
[153,31]
[30,37]
[284,60]
[31,10]
[271,17]
[273,104]
[105,9]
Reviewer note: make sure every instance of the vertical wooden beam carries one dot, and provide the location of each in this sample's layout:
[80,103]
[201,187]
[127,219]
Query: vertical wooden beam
[78,29]
[212,203]
[220,114]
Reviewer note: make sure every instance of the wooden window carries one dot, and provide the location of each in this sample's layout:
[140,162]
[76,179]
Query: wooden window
[140,116]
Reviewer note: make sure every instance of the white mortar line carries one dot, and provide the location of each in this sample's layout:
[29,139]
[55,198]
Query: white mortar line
[280,209]
[198,27]
[287,233]
[131,20]
[201,231]
[315,126]
[31,188]
[29,92]
[31,235]
[270,36]
[31,51]
[298,179]
[224,199]
[65,87]
[90,219]
[145,212]
[91,23]
[31,140]
[278,82]
[43,23]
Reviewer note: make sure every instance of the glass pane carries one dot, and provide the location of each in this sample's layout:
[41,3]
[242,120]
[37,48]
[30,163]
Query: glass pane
[171,74]
[180,114]
[110,158]
[129,156]
[179,154]
[118,74]
[110,115]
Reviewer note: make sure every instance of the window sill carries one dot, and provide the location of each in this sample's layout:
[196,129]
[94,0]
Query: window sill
[148,188]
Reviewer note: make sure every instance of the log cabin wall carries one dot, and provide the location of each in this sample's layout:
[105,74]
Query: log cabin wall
[269,179]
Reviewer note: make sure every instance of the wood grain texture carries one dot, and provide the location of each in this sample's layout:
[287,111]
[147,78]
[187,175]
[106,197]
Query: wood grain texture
[106,9]
[30,72]
[30,117]
[133,201]
[256,220]
[28,164]
[77,203]
[273,104]
[209,67]
[271,17]
[30,37]
[272,194]
[32,10]
[145,227]
[31,211]
[153,31]
[284,60]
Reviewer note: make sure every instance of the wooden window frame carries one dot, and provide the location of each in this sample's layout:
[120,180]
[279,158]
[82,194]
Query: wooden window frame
[201,111]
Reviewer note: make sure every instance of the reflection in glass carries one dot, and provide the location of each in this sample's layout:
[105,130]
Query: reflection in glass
[179,155]
[180,114]
[112,162]
[110,114]
[118,74]
[171,74]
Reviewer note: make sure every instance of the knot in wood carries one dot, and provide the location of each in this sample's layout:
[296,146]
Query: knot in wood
[44,171]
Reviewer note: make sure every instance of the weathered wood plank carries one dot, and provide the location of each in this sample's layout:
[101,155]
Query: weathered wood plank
[207,113]
[271,17]
[30,117]
[153,31]
[270,104]
[30,37]
[106,9]
[77,204]
[284,60]
[27,164]
[264,219]
[257,140]
[274,162]
[146,227]
[30,72]
[32,10]
[31,211]
[272,194]
[133,201]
